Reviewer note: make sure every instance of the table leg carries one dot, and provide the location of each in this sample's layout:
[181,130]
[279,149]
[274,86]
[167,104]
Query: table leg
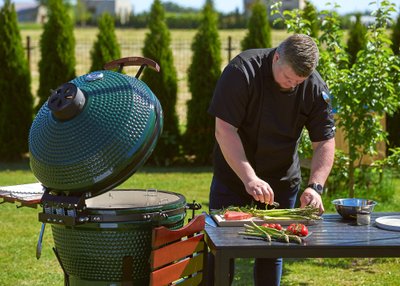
[221,269]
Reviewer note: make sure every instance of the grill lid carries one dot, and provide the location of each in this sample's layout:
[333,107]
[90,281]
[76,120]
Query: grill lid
[95,131]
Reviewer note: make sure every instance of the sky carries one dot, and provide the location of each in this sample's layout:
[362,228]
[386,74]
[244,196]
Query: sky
[225,6]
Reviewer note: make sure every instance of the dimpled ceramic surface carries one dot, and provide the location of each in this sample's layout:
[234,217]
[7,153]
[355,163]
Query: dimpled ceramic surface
[104,144]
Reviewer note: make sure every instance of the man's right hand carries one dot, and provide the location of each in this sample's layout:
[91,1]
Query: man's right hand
[232,148]
[260,191]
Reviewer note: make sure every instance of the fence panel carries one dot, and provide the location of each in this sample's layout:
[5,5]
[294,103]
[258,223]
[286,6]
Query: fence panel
[182,53]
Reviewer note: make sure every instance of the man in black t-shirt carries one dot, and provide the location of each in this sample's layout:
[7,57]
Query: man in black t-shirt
[261,103]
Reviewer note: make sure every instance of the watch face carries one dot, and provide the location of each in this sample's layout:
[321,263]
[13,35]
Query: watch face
[317,187]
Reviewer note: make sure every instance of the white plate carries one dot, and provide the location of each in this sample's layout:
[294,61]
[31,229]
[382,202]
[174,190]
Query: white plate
[388,222]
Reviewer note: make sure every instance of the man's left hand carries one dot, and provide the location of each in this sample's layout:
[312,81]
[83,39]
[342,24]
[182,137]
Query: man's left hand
[311,198]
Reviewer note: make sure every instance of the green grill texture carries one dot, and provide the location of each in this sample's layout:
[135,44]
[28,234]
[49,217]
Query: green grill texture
[94,147]
[94,252]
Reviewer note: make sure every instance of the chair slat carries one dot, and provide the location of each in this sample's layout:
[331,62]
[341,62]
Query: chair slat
[190,281]
[176,251]
[163,235]
[173,272]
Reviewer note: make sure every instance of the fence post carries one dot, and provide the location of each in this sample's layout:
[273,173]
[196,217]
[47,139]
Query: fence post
[229,48]
[28,51]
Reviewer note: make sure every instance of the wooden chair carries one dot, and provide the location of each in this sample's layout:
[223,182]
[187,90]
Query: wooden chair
[178,256]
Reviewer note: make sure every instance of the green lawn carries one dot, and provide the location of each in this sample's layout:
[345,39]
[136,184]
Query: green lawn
[20,228]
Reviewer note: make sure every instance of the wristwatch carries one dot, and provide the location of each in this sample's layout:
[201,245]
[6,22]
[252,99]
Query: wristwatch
[317,187]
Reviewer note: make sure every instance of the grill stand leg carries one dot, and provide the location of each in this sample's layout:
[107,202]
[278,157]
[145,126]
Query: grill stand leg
[66,276]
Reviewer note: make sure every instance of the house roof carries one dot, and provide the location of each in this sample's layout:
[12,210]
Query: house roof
[21,6]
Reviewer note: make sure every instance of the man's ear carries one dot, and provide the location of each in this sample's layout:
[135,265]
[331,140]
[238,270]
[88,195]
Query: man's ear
[276,57]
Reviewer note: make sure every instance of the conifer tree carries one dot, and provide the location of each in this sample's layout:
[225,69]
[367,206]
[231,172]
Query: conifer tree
[396,36]
[357,39]
[311,15]
[16,101]
[259,30]
[57,48]
[106,47]
[163,84]
[204,71]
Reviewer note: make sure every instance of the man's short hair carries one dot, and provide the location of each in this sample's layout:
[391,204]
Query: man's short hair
[301,53]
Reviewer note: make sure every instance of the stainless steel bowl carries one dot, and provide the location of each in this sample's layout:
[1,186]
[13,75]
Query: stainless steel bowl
[349,207]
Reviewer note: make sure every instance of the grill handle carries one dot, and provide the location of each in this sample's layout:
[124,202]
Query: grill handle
[132,61]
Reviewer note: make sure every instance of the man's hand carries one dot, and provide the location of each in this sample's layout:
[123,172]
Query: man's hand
[260,191]
[311,198]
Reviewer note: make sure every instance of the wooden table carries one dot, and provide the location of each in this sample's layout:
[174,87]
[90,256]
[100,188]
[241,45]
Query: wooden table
[333,237]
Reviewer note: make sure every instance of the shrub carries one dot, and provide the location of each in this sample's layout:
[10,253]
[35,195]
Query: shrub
[357,39]
[259,30]
[164,84]
[57,48]
[310,14]
[106,47]
[16,100]
[204,71]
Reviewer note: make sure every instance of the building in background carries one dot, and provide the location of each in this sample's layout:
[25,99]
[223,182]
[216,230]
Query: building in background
[31,12]
[286,5]
[116,8]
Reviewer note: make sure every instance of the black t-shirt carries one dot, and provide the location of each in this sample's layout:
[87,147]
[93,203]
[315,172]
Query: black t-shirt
[269,121]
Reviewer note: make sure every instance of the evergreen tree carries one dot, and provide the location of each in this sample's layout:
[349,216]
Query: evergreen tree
[259,30]
[204,71]
[163,84]
[311,15]
[357,39]
[106,47]
[82,15]
[392,122]
[396,37]
[16,101]
[57,48]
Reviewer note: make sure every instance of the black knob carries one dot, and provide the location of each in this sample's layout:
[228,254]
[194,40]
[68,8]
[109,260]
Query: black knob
[66,102]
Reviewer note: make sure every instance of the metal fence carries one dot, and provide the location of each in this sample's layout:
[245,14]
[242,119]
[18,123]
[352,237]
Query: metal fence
[181,49]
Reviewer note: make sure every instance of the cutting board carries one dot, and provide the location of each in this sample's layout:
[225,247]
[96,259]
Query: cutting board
[26,194]
[221,221]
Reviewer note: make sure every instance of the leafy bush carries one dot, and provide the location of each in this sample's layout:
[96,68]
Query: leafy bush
[16,100]
[365,91]
[164,84]
[106,47]
[204,72]
[57,49]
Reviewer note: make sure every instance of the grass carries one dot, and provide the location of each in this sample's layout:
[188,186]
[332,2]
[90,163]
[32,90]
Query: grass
[20,228]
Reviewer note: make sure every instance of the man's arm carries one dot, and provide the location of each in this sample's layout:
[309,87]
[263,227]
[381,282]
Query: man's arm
[234,154]
[321,165]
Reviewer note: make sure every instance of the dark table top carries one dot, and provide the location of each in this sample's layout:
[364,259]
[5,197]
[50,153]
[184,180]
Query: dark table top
[332,237]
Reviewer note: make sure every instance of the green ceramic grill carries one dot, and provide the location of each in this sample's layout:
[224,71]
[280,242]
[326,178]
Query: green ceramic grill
[116,250]
[92,134]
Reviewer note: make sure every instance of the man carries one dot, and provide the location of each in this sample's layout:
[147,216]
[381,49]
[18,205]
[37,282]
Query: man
[261,103]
